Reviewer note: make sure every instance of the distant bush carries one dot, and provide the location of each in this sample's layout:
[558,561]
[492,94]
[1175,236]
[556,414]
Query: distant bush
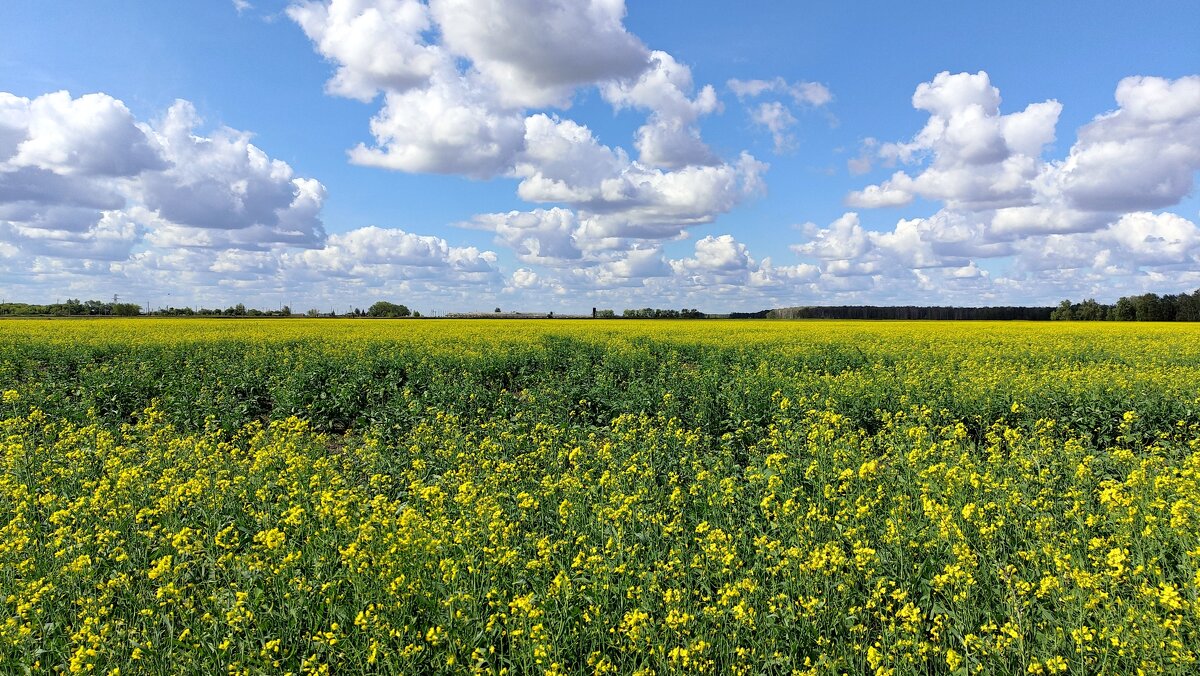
[386,309]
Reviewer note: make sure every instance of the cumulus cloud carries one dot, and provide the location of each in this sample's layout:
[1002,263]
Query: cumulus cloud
[458,75]
[978,157]
[459,78]
[224,182]
[618,199]
[537,51]
[376,44]
[80,177]
[670,138]
[448,127]
[719,271]
[541,236]
[89,193]
[895,192]
[374,253]
[654,204]
[1143,155]
[93,135]
[1057,226]
[524,278]
[1151,240]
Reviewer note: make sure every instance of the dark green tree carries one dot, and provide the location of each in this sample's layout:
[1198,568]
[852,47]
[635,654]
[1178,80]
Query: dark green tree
[386,309]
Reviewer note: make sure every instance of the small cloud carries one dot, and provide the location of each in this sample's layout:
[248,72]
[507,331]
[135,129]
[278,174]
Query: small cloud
[862,164]
[804,93]
[242,5]
[777,119]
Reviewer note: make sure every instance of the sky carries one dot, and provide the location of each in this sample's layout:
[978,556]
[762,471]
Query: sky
[559,155]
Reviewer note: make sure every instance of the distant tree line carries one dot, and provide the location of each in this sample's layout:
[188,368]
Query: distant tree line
[910,312]
[77,308]
[1148,307]
[73,307]
[658,313]
[239,310]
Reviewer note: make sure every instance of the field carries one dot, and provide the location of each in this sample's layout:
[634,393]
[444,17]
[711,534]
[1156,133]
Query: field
[318,496]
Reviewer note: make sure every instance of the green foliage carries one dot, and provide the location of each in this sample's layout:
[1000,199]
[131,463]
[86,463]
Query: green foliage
[760,497]
[385,309]
[658,313]
[1147,307]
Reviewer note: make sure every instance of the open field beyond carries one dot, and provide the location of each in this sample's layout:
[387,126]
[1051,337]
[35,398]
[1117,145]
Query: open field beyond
[413,496]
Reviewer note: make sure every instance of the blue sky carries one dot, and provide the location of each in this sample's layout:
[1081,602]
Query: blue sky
[542,197]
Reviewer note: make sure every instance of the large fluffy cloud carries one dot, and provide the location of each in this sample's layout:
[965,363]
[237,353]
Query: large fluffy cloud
[537,51]
[980,157]
[541,236]
[93,135]
[80,177]
[375,253]
[89,194]
[459,74]
[447,127]
[1055,226]
[670,138]
[224,182]
[376,44]
[467,84]
[1144,155]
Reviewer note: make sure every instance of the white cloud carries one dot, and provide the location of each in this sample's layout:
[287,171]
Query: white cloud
[537,51]
[775,116]
[541,236]
[524,278]
[844,239]
[72,234]
[376,44]
[93,135]
[777,119]
[459,78]
[1141,156]
[1148,239]
[804,93]
[380,254]
[670,138]
[563,161]
[895,192]
[449,127]
[722,254]
[224,182]
[653,204]
[81,178]
[617,199]
[980,157]
[1055,225]
[458,75]
[1144,155]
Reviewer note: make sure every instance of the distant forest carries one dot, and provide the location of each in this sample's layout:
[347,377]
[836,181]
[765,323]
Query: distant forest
[1148,307]
[907,312]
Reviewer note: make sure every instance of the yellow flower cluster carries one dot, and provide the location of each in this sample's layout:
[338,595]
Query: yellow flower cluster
[675,533]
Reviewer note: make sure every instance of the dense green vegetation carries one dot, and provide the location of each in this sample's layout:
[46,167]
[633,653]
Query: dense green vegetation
[1148,307]
[583,497]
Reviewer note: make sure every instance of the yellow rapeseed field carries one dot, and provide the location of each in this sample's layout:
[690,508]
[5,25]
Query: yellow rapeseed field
[598,497]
